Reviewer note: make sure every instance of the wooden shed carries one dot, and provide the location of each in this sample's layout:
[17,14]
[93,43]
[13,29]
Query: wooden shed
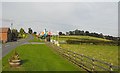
[5,34]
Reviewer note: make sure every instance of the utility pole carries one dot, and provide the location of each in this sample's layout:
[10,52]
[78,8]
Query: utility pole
[58,35]
[11,26]
[11,31]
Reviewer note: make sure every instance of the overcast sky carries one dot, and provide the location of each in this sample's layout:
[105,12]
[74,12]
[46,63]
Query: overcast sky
[101,17]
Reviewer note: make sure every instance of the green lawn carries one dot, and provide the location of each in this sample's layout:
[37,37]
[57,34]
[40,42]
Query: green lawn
[106,53]
[39,57]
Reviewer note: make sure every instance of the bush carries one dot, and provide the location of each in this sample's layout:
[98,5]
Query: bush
[22,35]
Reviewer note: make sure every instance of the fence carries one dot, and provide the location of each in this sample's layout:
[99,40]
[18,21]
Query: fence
[88,63]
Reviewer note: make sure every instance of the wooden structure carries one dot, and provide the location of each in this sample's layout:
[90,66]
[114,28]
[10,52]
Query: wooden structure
[15,61]
[5,34]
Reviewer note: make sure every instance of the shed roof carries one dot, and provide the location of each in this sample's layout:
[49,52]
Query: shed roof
[4,30]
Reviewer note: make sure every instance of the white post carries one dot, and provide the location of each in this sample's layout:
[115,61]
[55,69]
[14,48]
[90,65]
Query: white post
[111,67]
[11,27]
[74,56]
[93,61]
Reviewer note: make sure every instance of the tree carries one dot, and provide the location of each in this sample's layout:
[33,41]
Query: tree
[14,34]
[71,32]
[30,31]
[67,33]
[82,32]
[60,33]
[101,35]
[22,31]
[87,32]
[77,32]
[35,32]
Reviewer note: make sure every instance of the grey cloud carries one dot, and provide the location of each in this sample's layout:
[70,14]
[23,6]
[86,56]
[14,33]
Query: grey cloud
[91,16]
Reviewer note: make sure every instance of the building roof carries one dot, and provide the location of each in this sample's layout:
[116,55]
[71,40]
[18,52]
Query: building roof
[4,30]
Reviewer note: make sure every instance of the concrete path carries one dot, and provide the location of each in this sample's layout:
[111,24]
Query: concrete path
[6,48]
[36,43]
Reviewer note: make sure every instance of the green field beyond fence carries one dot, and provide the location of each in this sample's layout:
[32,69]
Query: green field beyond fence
[79,38]
[104,52]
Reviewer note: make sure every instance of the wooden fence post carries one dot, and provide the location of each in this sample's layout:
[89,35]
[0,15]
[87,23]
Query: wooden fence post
[64,54]
[82,58]
[74,55]
[59,50]
[68,55]
[111,69]
[93,62]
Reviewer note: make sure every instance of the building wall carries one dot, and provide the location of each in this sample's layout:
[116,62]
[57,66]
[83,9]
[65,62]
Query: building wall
[3,37]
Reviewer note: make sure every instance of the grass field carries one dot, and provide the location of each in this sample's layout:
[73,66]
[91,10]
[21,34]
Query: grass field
[107,53]
[39,58]
[64,38]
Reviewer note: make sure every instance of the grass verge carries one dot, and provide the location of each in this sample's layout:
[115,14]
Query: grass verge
[39,57]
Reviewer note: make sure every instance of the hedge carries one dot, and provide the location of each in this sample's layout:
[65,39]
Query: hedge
[91,41]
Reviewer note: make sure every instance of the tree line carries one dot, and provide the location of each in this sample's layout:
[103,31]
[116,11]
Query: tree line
[94,34]
[15,34]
